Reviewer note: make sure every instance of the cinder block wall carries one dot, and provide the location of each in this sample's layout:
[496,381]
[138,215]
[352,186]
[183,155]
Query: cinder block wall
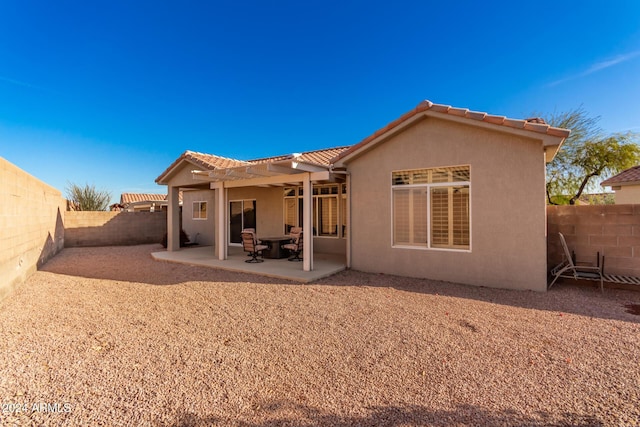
[612,230]
[113,228]
[31,225]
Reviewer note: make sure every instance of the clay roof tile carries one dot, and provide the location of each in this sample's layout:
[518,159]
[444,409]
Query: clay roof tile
[626,176]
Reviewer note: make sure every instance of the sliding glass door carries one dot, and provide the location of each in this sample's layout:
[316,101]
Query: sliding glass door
[242,214]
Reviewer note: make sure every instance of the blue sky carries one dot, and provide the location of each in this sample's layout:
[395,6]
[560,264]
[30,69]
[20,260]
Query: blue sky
[111,92]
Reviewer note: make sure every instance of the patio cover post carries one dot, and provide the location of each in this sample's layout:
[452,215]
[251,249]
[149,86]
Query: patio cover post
[347,220]
[221,222]
[173,220]
[307,223]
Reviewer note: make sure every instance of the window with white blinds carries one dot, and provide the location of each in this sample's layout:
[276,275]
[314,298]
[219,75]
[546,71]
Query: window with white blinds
[431,208]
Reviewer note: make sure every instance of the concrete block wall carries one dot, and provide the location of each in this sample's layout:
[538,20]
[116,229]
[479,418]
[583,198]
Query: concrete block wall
[612,230]
[113,228]
[31,225]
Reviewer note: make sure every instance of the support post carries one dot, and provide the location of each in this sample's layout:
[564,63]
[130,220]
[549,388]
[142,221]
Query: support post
[173,220]
[348,221]
[307,223]
[221,223]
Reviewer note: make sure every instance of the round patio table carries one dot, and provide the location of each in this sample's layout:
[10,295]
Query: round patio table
[274,243]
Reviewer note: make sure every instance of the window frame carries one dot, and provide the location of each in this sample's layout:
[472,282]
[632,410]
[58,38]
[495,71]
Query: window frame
[428,187]
[199,210]
[316,193]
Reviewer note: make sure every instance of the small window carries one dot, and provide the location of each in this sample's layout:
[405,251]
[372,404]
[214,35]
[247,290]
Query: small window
[199,210]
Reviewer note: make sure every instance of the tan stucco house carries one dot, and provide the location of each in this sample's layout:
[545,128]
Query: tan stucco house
[441,192]
[626,185]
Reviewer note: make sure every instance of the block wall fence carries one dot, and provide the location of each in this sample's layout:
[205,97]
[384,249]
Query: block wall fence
[31,225]
[35,226]
[113,228]
[612,230]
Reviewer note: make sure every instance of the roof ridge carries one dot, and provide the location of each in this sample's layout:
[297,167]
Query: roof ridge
[289,155]
[530,125]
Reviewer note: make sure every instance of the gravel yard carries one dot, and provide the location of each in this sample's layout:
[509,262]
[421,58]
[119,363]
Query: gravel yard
[107,336]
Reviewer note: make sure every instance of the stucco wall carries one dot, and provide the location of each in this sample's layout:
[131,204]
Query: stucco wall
[627,195]
[201,231]
[612,230]
[269,208]
[31,225]
[113,228]
[508,231]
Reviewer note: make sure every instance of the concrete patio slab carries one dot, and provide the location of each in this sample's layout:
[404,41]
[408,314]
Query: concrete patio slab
[323,264]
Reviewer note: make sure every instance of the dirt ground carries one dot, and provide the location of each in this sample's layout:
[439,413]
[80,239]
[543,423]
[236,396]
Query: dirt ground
[108,336]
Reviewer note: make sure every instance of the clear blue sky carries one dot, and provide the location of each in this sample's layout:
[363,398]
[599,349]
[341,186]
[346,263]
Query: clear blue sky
[111,92]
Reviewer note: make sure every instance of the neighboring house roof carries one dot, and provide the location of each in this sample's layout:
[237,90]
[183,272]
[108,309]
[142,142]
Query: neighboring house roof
[626,177]
[140,198]
[533,125]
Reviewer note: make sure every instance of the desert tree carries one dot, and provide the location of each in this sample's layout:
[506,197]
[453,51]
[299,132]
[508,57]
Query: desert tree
[586,155]
[87,197]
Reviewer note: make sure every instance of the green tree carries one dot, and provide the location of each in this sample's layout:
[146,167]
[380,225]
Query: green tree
[88,198]
[586,154]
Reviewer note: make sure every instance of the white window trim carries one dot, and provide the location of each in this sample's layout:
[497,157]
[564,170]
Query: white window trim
[428,188]
[340,198]
[199,202]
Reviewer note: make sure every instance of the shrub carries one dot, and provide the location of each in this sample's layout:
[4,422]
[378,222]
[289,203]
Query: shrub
[184,238]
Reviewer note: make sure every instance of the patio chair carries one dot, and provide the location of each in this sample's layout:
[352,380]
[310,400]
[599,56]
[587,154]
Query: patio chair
[295,246]
[294,231]
[250,244]
[249,230]
[570,269]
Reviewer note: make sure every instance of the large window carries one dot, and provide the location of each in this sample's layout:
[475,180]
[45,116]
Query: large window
[199,210]
[431,208]
[328,209]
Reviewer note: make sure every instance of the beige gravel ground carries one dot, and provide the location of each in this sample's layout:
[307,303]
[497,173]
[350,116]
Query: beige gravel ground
[107,336]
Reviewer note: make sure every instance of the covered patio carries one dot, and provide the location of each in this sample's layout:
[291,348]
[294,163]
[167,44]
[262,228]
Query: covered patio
[270,195]
[324,264]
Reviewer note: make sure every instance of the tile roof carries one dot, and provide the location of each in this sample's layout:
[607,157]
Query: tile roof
[126,198]
[627,176]
[205,161]
[328,156]
[140,197]
[210,162]
[537,124]
[318,157]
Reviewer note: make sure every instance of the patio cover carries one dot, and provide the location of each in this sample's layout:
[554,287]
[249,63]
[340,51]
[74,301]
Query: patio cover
[280,171]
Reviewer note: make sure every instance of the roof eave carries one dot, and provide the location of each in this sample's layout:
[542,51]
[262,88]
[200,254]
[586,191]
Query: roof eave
[619,183]
[173,169]
[551,139]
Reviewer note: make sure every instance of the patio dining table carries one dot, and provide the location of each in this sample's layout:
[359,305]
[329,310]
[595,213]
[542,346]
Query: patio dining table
[274,243]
